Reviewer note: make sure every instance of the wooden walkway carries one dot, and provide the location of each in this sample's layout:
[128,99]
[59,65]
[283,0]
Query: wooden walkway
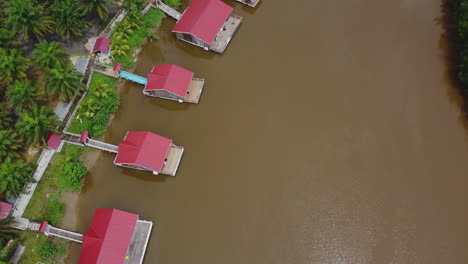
[174,155]
[195,90]
[251,3]
[224,37]
[75,140]
[65,234]
[139,242]
[168,10]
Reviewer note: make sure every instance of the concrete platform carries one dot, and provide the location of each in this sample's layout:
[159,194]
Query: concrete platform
[137,249]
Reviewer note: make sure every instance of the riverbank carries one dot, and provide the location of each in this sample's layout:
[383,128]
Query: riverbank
[58,193]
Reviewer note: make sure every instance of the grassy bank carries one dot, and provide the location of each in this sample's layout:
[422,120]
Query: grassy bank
[131,33]
[102,100]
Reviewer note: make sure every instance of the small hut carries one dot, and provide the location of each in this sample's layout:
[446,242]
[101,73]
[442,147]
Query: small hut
[207,24]
[175,83]
[54,141]
[150,152]
[102,46]
[5,210]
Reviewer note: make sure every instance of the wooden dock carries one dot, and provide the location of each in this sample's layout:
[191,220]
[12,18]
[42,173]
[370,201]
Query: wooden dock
[174,155]
[195,90]
[168,10]
[251,3]
[139,242]
[74,139]
[65,234]
[224,37]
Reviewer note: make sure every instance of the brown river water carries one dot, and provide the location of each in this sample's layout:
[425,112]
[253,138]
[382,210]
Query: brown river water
[328,132]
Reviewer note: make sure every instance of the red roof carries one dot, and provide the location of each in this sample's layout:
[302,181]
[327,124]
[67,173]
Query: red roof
[144,149]
[43,226]
[84,137]
[108,238]
[5,209]
[204,19]
[171,78]
[117,67]
[102,45]
[53,141]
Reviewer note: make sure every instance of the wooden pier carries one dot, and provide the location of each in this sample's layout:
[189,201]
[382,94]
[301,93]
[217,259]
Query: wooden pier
[139,242]
[195,90]
[251,3]
[65,234]
[224,37]
[168,10]
[172,160]
[75,140]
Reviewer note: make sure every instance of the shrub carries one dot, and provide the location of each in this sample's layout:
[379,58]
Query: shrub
[71,175]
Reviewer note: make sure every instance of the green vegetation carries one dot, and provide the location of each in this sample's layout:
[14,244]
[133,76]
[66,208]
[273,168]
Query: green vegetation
[23,94]
[7,252]
[38,248]
[10,144]
[173,3]
[69,21]
[13,175]
[64,81]
[459,29]
[132,32]
[28,18]
[13,66]
[48,54]
[96,6]
[6,232]
[34,125]
[101,101]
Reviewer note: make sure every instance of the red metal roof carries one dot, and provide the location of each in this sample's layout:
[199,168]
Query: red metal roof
[43,226]
[5,209]
[204,19]
[117,67]
[53,141]
[102,45]
[108,238]
[144,149]
[84,136]
[171,78]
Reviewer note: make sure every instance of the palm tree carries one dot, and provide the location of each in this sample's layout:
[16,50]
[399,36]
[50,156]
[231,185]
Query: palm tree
[48,54]
[13,176]
[6,232]
[5,117]
[10,144]
[13,66]
[8,38]
[68,18]
[28,17]
[22,94]
[63,80]
[96,6]
[33,125]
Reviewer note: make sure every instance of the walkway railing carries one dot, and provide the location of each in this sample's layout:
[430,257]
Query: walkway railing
[168,10]
[65,234]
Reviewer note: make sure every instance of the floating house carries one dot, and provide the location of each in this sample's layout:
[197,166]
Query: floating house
[114,236]
[208,24]
[174,83]
[168,82]
[149,152]
[102,46]
[141,150]
[251,3]
[5,210]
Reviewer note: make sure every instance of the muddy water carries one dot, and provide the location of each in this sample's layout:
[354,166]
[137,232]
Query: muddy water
[327,133]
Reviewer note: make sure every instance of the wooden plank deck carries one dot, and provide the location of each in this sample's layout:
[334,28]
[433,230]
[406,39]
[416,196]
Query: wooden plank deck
[174,156]
[251,3]
[195,90]
[225,36]
[139,242]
